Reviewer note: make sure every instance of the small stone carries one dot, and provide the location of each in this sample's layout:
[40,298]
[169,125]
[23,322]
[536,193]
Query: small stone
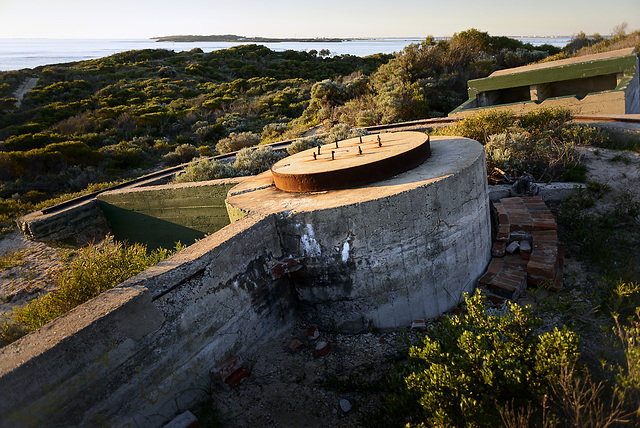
[418,323]
[513,247]
[295,344]
[183,420]
[345,405]
[321,349]
[313,333]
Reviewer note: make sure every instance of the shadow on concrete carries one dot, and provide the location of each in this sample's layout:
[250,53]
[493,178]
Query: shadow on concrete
[152,231]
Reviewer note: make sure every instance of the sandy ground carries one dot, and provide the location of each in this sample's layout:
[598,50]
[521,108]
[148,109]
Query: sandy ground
[288,387]
[24,88]
[34,265]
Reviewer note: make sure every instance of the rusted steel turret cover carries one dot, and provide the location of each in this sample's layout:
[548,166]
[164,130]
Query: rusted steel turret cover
[351,163]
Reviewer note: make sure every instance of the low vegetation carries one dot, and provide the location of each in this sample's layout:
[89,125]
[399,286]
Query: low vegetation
[541,142]
[93,270]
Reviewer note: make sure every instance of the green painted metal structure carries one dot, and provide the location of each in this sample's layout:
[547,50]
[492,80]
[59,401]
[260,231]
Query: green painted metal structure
[160,216]
[610,76]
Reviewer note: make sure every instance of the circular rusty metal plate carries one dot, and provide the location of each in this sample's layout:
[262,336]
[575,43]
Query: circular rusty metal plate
[351,163]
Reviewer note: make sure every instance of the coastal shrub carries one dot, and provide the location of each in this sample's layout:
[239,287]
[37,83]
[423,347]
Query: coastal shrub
[95,269]
[236,141]
[208,169]
[342,131]
[517,152]
[250,161]
[7,104]
[183,153]
[28,141]
[302,144]
[124,155]
[546,118]
[273,131]
[480,126]
[475,363]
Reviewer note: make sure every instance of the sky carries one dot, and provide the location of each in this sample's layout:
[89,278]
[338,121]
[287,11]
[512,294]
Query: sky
[115,19]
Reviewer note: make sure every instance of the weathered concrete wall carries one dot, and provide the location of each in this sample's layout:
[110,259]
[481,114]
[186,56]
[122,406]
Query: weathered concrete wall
[138,353]
[159,216]
[386,253]
[632,92]
[81,223]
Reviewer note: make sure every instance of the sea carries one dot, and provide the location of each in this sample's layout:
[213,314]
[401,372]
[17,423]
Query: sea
[17,54]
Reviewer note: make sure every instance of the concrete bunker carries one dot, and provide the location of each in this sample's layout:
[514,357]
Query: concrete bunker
[378,254]
[604,83]
[401,248]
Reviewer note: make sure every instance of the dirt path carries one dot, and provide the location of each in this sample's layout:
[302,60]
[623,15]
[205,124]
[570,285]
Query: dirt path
[26,86]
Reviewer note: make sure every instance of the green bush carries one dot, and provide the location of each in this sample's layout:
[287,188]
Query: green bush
[541,119]
[342,131]
[254,161]
[482,125]
[95,269]
[302,144]
[236,141]
[249,161]
[205,170]
[182,153]
[473,364]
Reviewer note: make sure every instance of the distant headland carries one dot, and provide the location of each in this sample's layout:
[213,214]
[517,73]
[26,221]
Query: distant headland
[234,38]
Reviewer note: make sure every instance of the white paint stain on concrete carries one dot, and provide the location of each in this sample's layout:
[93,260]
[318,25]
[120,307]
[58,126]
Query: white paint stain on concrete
[345,251]
[308,243]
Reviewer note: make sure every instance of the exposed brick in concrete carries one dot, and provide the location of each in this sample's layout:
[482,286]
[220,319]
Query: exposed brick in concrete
[528,222]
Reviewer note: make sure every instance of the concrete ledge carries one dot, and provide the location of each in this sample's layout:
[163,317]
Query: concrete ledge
[82,223]
[553,192]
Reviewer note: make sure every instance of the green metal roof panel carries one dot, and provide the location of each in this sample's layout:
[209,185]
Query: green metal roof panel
[564,70]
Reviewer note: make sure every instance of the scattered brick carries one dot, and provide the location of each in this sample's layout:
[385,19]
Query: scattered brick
[541,270]
[525,224]
[419,324]
[313,333]
[295,344]
[504,232]
[237,377]
[501,214]
[513,247]
[498,248]
[525,250]
[321,349]
[513,262]
[509,283]
[495,266]
[226,369]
